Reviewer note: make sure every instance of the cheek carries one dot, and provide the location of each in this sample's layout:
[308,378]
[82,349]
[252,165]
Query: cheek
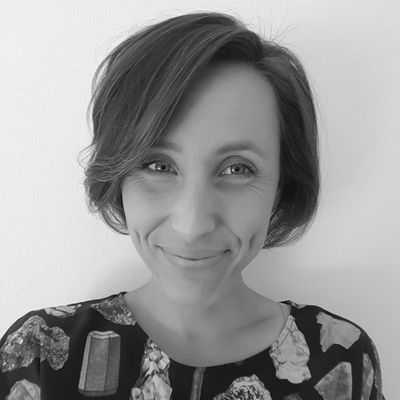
[139,210]
[253,208]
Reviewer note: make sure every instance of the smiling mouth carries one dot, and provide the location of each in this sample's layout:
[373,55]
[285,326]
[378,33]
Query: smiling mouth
[200,261]
[194,255]
[192,259]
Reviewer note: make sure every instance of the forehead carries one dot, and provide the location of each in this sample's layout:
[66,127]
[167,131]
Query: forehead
[227,102]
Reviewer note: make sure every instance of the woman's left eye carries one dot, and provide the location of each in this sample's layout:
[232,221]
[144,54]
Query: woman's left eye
[239,168]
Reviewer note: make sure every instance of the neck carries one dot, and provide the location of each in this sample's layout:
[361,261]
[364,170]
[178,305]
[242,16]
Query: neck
[217,311]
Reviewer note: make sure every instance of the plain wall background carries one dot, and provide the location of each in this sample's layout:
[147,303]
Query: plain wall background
[54,252]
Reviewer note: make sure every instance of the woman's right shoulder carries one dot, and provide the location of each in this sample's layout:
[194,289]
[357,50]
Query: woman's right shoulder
[70,316]
[47,338]
[55,327]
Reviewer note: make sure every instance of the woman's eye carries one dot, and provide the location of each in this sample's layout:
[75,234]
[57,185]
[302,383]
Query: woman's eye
[237,169]
[162,167]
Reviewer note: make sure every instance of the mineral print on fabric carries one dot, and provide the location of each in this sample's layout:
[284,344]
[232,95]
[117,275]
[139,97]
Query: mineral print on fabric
[247,388]
[34,339]
[62,311]
[114,311]
[153,382]
[100,365]
[336,384]
[368,377]
[291,354]
[336,331]
[24,390]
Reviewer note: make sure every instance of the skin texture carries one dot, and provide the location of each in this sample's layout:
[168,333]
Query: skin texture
[200,201]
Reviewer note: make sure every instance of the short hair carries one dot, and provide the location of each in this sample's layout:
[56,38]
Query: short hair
[138,86]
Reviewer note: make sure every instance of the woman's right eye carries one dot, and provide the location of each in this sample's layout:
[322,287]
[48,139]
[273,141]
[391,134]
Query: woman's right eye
[161,167]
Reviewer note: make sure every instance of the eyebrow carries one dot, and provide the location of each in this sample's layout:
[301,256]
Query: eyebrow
[227,148]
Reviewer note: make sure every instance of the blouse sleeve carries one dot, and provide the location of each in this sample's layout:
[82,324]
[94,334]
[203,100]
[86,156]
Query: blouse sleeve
[372,377]
[20,353]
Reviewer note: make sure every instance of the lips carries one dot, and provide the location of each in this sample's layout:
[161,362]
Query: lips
[193,264]
[194,255]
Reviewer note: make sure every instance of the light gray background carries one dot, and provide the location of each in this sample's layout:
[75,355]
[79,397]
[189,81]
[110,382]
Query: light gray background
[53,252]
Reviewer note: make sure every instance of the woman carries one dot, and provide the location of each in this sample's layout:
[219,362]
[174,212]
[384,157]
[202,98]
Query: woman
[205,152]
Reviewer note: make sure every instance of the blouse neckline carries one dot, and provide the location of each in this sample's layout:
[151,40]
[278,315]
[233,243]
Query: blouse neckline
[257,358]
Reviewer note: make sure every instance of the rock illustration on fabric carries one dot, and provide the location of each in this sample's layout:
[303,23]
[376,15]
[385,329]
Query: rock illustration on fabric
[377,373]
[153,383]
[290,354]
[336,331]
[62,311]
[24,390]
[34,339]
[245,388]
[336,384]
[294,396]
[368,377]
[297,305]
[100,365]
[115,311]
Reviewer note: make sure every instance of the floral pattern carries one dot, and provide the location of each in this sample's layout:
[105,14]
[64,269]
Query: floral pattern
[290,355]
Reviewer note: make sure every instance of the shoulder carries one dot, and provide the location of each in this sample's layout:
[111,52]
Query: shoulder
[56,326]
[336,348]
[329,328]
[54,339]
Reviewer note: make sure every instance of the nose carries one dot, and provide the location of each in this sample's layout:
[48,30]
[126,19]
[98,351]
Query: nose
[195,212]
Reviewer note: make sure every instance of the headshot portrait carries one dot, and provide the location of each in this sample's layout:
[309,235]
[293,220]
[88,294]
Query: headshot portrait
[201,200]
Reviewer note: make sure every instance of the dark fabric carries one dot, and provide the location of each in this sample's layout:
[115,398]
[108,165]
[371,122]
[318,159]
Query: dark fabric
[97,349]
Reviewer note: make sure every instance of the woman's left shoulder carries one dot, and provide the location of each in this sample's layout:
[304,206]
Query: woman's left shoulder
[336,340]
[330,327]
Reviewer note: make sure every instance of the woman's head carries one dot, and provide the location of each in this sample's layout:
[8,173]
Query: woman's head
[140,89]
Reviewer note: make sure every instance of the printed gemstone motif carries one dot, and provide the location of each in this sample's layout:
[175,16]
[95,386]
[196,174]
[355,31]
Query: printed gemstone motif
[337,384]
[295,396]
[336,331]
[245,388]
[154,388]
[368,377]
[377,372]
[24,390]
[100,365]
[113,310]
[290,354]
[297,305]
[34,339]
[153,383]
[62,311]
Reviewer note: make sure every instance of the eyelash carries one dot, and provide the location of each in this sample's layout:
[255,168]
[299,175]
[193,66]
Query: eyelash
[145,164]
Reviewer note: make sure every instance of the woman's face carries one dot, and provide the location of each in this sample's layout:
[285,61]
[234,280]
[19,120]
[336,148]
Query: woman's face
[208,189]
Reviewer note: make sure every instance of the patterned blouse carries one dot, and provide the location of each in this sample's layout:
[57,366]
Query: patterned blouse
[97,349]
